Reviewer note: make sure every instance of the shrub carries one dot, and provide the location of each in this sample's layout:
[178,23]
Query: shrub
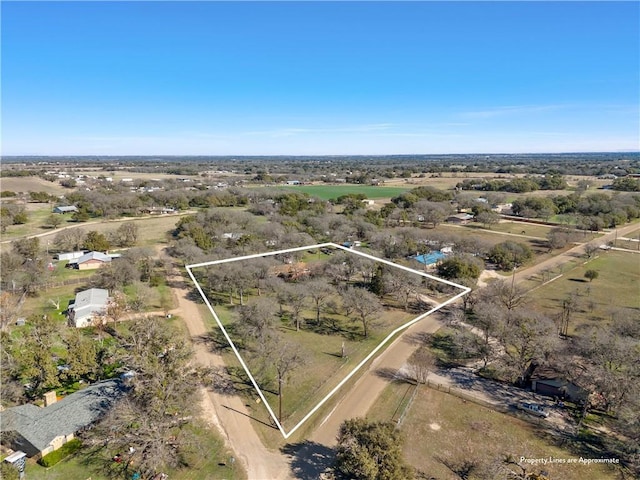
[69,448]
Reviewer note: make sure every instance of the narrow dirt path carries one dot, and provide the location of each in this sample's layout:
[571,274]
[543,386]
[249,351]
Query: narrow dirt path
[571,254]
[227,413]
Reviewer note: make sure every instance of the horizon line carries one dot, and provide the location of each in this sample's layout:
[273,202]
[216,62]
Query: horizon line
[568,152]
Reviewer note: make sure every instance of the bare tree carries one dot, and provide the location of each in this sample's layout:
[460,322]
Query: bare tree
[319,291]
[364,304]
[507,294]
[296,296]
[69,239]
[421,363]
[285,358]
[402,285]
[257,320]
[529,342]
[8,309]
[150,421]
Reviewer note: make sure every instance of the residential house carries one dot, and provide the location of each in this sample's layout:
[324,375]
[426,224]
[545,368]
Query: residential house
[65,209]
[41,430]
[460,218]
[87,304]
[556,387]
[89,261]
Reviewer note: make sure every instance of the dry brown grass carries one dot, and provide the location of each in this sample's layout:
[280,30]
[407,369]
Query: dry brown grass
[440,428]
[32,184]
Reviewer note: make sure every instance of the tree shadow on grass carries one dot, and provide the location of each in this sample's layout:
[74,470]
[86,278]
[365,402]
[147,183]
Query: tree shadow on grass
[309,460]
[418,338]
[392,375]
[330,326]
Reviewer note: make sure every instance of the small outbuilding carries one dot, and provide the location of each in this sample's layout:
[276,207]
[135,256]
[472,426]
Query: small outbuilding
[65,209]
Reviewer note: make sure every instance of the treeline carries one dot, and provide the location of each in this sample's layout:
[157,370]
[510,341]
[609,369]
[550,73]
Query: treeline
[516,185]
[592,212]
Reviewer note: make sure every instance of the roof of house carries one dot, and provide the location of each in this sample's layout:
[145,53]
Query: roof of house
[40,426]
[88,302]
[461,216]
[66,208]
[94,256]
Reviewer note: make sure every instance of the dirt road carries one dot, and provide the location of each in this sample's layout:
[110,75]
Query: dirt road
[226,412]
[571,254]
[357,401]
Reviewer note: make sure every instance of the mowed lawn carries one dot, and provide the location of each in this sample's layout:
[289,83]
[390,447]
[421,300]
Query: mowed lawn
[617,286]
[441,429]
[328,192]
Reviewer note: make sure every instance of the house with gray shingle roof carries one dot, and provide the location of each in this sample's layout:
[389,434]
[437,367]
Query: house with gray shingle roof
[38,431]
[87,304]
[90,260]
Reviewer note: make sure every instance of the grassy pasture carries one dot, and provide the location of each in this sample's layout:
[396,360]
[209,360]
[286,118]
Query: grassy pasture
[327,192]
[632,244]
[440,428]
[152,230]
[517,228]
[37,215]
[617,286]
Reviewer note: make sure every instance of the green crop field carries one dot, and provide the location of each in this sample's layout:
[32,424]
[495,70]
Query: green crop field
[440,428]
[328,192]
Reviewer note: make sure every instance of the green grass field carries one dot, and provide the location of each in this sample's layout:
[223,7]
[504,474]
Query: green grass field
[328,192]
[440,428]
[617,286]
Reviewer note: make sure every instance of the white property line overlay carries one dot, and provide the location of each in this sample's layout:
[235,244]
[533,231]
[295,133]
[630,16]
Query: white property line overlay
[284,433]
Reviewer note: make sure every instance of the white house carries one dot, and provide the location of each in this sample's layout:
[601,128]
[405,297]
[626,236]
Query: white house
[86,305]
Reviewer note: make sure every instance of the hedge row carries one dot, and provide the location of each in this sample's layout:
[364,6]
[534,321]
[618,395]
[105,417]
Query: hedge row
[50,459]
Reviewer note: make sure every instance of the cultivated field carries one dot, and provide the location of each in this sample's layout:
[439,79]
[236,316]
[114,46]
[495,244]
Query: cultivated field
[328,192]
[32,184]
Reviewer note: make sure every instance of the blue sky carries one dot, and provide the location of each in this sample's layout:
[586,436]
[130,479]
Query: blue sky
[304,78]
